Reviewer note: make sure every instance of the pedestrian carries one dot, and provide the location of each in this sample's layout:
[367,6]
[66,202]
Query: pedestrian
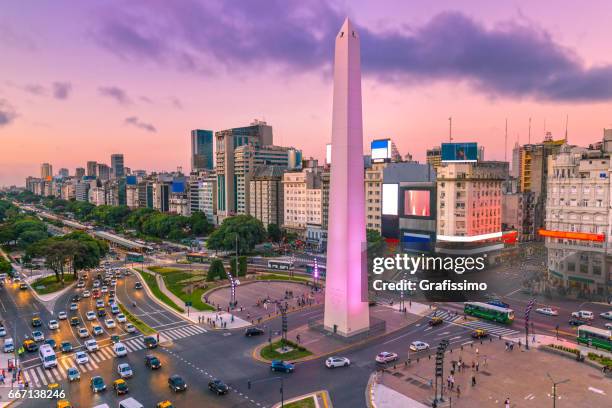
[507,403]
[533,339]
[158,337]
[458,391]
[476,350]
[448,382]
[232,318]
[485,361]
[473,365]
[473,380]
[452,382]
[519,343]
[477,366]
[507,346]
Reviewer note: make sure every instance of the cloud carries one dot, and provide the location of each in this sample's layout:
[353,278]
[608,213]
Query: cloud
[35,89]
[62,90]
[513,59]
[7,113]
[118,94]
[134,121]
[176,103]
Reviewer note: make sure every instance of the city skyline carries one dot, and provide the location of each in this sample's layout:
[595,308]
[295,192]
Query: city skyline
[130,91]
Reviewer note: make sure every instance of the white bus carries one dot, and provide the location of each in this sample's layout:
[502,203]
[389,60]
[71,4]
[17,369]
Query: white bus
[47,356]
[284,265]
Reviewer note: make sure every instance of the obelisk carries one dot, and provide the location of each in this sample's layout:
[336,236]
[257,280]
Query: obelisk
[346,307]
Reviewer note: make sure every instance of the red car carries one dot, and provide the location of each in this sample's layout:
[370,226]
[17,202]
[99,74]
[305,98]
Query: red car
[95,293]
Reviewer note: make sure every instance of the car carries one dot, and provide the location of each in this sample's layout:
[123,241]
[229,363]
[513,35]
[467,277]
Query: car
[80,284]
[120,349]
[96,283]
[30,346]
[97,330]
[109,323]
[81,357]
[90,315]
[2,331]
[498,303]
[111,300]
[218,386]
[36,322]
[83,332]
[479,334]
[74,306]
[62,315]
[104,289]
[121,318]
[283,366]
[101,312]
[418,346]
[577,322]
[176,383]
[53,325]
[37,335]
[606,315]
[73,374]
[164,404]
[115,339]
[138,285]
[583,314]
[86,294]
[66,347]
[115,309]
[435,321]
[74,321]
[608,326]
[99,303]
[152,362]
[333,362]
[548,311]
[130,328]
[63,404]
[91,345]
[386,356]
[253,331]
[120,386]
[23,286]
[124,370]
[51,343]
[95,293]
[113,282]
[97,384]
[150,342]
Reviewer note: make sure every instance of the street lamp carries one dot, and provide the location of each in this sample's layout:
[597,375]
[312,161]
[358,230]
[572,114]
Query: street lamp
[555,388]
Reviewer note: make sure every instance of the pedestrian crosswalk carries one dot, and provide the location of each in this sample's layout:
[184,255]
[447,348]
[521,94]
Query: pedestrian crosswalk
[38,376]
[491,328]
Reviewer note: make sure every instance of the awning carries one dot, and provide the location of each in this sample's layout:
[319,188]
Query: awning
[580,279]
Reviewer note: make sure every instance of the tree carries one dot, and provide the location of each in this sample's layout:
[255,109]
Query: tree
[216,271]
[5,266]
[199,224]
[274,233]
[30,237]
[242,266]
[247,230]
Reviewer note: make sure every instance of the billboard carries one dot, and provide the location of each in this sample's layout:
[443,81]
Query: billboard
[390,194]
[328,156]
[178,187]
[380,150]
[417,203]
[459,152]
[131,180]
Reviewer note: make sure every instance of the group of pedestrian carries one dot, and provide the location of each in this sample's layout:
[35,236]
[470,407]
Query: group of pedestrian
[509,346]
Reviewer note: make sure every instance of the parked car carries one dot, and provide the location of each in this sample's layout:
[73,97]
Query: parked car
[283,366]
[333,362]
[386,356]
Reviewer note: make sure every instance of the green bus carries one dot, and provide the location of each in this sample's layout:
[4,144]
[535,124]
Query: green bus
[489,312]
[134,257]
[595,337]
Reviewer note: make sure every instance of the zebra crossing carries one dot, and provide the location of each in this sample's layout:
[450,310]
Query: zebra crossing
[39,376]
[491,328]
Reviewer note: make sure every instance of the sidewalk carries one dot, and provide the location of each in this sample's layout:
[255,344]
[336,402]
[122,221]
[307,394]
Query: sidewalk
[543,340]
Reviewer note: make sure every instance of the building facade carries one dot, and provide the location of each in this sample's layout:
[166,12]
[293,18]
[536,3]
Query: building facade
[302,191]
[117,165]
[201,150]
[266,195]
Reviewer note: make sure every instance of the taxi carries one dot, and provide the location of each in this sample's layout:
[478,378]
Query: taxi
[164,404]
[54,387]
[435,321]
[63,404]
[120,386]
[479,333]
[30,345]
[36,322]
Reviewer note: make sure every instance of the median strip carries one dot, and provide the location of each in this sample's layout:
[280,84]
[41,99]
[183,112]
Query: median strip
[151,282]
[139,324]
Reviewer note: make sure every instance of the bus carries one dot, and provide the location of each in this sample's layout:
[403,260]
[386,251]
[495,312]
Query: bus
[47,356]
[134,257]
[595,337]
[489,312]
[283,265]
[321,268]
[196,257]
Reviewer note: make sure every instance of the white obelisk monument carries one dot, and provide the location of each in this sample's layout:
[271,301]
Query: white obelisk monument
[346,307]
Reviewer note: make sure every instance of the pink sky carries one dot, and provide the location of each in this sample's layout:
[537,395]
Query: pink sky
[178,68]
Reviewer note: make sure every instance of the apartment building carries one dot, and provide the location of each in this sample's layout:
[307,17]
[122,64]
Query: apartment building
[303,199]
[266,199]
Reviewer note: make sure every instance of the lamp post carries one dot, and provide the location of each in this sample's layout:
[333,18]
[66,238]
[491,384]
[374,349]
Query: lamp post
[555,388]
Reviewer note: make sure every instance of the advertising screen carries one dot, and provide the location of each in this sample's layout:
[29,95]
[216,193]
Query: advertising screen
[417,203]
[459,152]
[390,199]
[381,150]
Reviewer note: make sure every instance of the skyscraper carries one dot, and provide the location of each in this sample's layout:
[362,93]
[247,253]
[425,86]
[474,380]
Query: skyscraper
[79,173]
[201,150]
[117,165]
[46,171]
[92,169]
[346,307]
[103,172]
[63,172]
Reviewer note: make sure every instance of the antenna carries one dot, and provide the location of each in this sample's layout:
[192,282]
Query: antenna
[450,129]
[506,142]
[566,120]
[529,137]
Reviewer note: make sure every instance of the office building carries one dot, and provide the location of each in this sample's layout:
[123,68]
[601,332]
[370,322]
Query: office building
[79,173]
[117,165]
[103,172]
[203,194]
[266,194]
[518,211]
[201,150]
[81,190]
[46,171]
[64,173]
[433,156]
[302,191]
[92,169]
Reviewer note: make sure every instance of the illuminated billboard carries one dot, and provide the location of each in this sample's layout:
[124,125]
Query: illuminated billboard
[328,148]
[390,198]
[459,152]
[417,203]
[381,150]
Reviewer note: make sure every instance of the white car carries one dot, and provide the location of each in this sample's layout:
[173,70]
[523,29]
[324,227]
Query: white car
[86,293]
[124,370]
[386,357]
[99,303]
[62,315]
[97,330]
[109,323]
[91,345]
[333,362]
[418,346]
[130,328]
[74,306]
[104,289]
[38,336]
[608,326]
[91,315]
[583,314]
[53,325]
[83,332]
[119,349]
[2,331]
[81,284]
[96,284]
[606,315]
[549,311]
[121,318]
[81,357]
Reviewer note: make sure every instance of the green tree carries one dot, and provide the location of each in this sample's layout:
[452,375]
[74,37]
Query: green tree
[30,237]
[5,266]
[242,265]
[274,233]
[248,231]
[216,270]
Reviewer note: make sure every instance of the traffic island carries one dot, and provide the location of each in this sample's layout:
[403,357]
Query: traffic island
[139,324]
[319,399]
[283,350]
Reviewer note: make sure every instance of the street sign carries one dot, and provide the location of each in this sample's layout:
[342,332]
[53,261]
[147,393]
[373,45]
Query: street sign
[188,304]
